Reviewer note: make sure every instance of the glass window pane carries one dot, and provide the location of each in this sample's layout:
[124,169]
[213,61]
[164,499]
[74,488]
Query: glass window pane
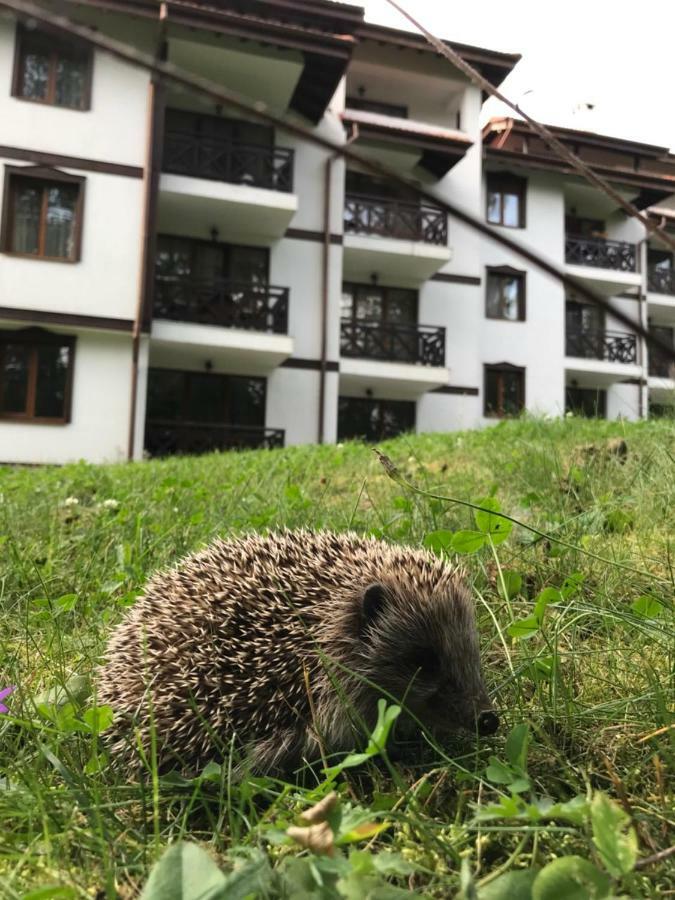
[402,306]
[512,383]
[34,74]
[347,301]
[26,217]
[494,296]
[173,258]
[60,225]
[494,208]
[510,298]
[14,377]
[206,398]
[492,392]
[71,82]
[511,210]
[369,303]
[165,394]
[246,401]
[52,377]
[248,265]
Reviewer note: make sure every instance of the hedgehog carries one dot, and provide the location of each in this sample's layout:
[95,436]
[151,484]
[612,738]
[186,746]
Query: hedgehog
[281,645]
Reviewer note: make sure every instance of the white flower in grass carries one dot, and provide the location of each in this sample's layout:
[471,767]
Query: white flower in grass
[111,504]
[71,501]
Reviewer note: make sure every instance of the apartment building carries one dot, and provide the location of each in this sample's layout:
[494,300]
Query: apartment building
[176,277]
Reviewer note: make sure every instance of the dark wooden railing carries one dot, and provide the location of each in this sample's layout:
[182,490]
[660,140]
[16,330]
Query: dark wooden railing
[661,281]
[395,219]
[201,157]
[391,342]
[221,302]
[167,437]
[612,346]
[600,253]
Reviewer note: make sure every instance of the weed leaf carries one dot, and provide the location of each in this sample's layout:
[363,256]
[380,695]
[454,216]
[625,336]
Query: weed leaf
[185,872]
[613,835]
[468,541]
[570,878]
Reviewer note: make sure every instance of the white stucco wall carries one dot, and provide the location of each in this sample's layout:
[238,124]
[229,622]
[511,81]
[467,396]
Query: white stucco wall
[99,427]
[105,281]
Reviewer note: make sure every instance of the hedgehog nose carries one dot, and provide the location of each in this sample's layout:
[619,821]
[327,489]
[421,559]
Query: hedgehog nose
[488,722]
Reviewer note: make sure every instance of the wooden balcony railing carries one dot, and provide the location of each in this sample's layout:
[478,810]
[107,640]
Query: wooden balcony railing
[600,253]
[220,160]
[611,346]
[391,342]
[168,437]
[229,304]
[661,281]
[395,219]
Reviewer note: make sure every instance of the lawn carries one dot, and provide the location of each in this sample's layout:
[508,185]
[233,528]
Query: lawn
[573,798]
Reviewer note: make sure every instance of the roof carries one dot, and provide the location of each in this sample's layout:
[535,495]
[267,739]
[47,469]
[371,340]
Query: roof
[647,167]
[492,64]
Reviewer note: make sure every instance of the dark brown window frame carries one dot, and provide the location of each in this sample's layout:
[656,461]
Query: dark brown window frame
[21,35]
[508,272]
[385,290]
[44,174]
[34,337]
[503,369]
[505,183]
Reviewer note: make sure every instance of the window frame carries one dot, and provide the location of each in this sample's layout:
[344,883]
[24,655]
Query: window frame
[507,272]
[505,183]
[502,369]
[45,175]
[34,337]
[383,404]
[357,287]
[21,36]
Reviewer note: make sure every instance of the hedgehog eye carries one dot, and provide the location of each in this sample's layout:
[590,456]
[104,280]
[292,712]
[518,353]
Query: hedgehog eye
[425,661]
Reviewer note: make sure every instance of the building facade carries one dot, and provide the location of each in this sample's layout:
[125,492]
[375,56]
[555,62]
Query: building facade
[176,277]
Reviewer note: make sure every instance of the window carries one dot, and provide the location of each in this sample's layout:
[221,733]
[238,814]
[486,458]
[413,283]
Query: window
[588,402]
[584,330]
[374,420]
[661,363]
[506,200]
[51,70]
[379,304]
[42,213]
[579,226]
[36,373]
[504,390]
[505,297]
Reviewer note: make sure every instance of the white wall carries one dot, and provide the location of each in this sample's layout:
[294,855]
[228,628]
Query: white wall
[106,280]
[113,130]
[99,427]
[293,404]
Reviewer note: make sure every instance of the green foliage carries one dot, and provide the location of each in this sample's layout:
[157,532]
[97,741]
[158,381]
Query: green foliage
[577,630]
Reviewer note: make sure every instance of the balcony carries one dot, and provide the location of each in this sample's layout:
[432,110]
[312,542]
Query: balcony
[661,294]
[406,240]
[606,266]
[242,190]
[167,437]
[390,342]
[399,361]
[598,358]
[236,163]
[221,302]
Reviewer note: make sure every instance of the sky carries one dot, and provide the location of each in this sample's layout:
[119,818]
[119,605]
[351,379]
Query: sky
[616,55]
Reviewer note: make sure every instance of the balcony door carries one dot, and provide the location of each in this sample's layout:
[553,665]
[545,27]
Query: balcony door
[208,282]
[660,363]
[379,322]
[192,412]
[584,329]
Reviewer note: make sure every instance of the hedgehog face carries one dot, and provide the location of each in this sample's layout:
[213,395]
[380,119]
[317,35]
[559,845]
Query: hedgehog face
[424,651]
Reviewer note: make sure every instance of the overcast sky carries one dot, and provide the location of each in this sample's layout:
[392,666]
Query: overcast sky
[618,55]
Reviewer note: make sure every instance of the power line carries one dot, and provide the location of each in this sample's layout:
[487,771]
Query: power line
[544,133]
[32,14]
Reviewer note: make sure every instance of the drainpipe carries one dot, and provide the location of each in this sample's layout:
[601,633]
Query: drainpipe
[152,166]
[644,321]
[325,280]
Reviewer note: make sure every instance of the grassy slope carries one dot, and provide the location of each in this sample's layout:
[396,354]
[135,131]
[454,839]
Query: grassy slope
[612,687]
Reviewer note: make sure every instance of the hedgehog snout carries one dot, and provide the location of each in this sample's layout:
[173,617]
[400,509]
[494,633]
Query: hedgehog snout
[487,722]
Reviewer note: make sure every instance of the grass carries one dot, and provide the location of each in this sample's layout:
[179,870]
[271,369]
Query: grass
[593,681]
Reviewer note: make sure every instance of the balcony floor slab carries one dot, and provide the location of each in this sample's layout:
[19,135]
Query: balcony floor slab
[661,388]
[389,380]
[193,206]
[607,282]
[599,373]
[661,308]
[233,350]
[396,262]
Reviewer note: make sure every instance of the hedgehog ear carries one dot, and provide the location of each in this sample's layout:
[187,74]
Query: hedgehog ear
[372,603]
